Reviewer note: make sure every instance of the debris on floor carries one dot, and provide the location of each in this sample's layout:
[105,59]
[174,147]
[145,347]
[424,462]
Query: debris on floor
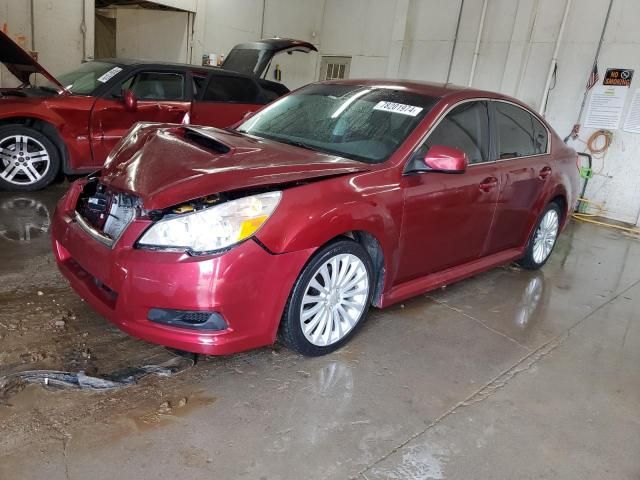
[11,384]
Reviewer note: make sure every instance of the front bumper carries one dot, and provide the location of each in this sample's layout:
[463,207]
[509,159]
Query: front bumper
[247,285]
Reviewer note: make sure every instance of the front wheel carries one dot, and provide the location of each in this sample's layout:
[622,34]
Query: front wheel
[329,300]
[543,238]
[28,159]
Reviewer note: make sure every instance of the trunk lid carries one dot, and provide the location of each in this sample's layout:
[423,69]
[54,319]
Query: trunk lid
[170,164]
[21,64]
[253,58]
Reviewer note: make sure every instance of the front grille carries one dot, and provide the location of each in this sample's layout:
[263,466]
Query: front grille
[105,214]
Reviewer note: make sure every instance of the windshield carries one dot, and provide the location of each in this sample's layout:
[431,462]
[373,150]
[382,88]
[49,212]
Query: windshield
[365,123]
[86,78]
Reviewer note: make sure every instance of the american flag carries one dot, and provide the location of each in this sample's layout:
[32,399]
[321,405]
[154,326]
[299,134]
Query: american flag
[593,77]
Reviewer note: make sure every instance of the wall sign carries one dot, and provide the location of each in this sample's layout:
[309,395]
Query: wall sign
[605,107]
[618,77]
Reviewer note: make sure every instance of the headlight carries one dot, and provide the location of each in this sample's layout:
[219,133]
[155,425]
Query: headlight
[213,228]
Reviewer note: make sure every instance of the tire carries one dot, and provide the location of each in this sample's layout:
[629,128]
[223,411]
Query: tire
[29,160]
[338,310]
[543,238]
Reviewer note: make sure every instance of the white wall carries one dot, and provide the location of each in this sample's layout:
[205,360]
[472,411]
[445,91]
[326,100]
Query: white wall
[57,28]
[152,34]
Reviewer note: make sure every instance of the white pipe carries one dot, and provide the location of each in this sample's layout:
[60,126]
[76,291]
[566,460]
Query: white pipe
[554,60]
[455,41]
[479,37]
[527,51]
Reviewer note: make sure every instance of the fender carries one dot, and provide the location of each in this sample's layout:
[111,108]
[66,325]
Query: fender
[68,115]
[311,215]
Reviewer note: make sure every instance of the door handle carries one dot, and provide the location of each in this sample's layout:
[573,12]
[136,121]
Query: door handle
[544,173]
[488,184]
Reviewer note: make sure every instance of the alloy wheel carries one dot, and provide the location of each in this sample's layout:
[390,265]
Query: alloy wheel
[546,236]
[334,299]
[23,160]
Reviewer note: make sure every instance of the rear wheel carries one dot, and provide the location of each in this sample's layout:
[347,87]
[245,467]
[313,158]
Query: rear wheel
[543,238]
[28,159]
[329,300]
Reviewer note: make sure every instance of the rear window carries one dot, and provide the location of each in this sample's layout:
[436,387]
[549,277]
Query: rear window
[242,60]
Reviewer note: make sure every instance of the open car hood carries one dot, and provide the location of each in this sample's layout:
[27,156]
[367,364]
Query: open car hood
[21,64]
[165,165]
[253,58]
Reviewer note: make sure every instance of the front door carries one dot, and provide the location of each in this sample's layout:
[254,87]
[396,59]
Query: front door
[161,96]
[447,217]
[525,171]
[225,99]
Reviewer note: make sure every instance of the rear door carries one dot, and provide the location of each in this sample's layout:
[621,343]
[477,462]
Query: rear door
[163,95]
[522,146]
[226,99]
[447,218]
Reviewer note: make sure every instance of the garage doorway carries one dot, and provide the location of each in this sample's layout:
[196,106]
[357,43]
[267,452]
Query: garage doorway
[334,68]
[105,34]
[151,31]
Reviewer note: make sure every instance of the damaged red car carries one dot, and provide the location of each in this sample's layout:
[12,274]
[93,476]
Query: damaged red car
[70,123]
[336,197]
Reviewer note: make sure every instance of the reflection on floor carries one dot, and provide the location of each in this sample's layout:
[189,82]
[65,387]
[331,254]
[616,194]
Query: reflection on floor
[511,374]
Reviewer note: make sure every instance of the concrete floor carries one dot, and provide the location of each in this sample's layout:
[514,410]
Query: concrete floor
[511,374]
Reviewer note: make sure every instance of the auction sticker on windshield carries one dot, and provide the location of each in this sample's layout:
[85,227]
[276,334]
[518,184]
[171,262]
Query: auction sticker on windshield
[109,75]
[410,110]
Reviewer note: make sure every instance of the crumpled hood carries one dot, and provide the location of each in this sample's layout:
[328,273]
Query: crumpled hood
[165,165]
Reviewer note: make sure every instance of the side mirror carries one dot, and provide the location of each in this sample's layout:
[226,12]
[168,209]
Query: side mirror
[441,159]
[130,101]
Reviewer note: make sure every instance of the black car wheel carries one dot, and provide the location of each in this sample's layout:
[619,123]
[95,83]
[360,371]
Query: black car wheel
[329,300]
[543,238]
[28,159]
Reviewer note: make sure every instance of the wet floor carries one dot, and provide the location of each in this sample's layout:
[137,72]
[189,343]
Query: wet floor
[511,374]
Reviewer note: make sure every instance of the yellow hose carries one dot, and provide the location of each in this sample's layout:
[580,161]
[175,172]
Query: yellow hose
[588,218]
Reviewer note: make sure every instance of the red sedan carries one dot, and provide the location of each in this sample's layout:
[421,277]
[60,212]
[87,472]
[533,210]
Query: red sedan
[336,197]
[72,122]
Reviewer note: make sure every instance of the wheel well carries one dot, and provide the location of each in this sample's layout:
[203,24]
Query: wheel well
[561,201]
[45,128]
[373,248]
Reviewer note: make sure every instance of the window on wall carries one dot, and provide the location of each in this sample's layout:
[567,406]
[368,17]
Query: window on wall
[335,68]
[520,134]
[466,127]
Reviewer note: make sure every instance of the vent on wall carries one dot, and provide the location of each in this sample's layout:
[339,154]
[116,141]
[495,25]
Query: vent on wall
[335,68]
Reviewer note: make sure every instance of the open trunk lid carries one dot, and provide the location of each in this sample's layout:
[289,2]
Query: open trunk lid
[253,58]
[21,64]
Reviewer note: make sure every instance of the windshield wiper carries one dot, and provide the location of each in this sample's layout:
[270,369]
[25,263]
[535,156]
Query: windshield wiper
[299,144]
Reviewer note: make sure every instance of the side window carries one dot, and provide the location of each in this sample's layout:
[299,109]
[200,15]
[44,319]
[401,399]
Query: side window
[226,88]
[519,133]
[465,127]
[156,85]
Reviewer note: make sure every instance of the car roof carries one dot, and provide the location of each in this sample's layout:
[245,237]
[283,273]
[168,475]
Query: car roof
[130,62]
[431,89]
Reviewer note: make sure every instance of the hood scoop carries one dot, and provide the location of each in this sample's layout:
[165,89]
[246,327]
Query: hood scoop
[207,140]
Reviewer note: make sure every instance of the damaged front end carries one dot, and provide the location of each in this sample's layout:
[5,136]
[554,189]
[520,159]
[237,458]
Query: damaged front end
[104,213]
